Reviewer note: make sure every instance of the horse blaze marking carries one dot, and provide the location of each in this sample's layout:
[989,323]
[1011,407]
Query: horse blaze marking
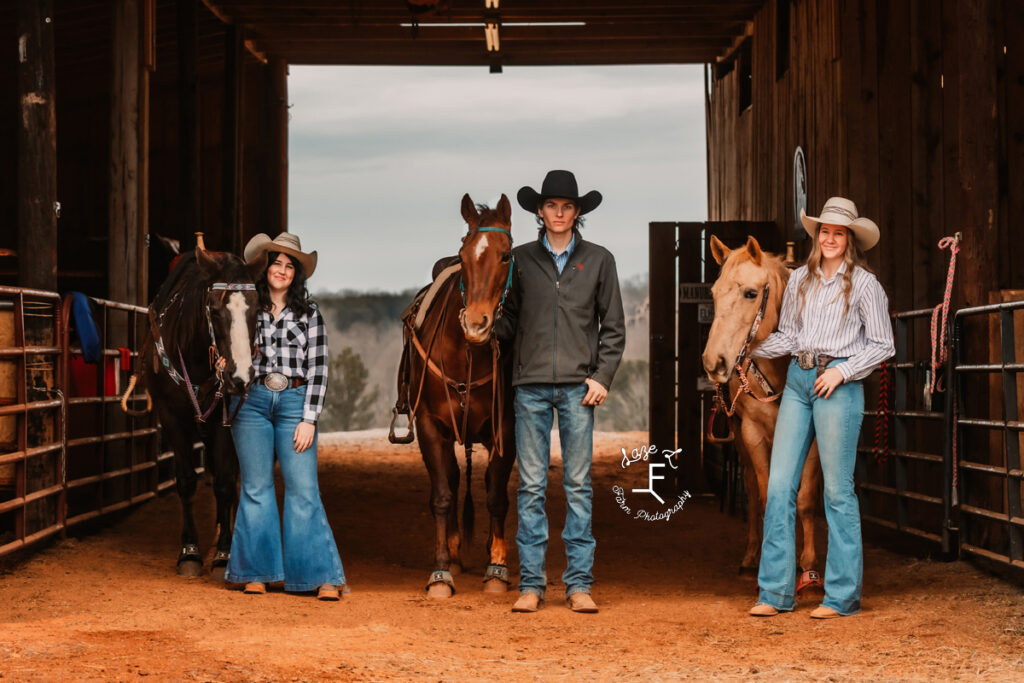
[481,247]
[239,336]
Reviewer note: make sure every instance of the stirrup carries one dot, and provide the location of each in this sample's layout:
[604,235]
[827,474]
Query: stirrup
[410,434]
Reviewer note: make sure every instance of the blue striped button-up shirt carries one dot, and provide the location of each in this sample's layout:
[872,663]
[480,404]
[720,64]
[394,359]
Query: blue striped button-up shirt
[563,258]
[863,336]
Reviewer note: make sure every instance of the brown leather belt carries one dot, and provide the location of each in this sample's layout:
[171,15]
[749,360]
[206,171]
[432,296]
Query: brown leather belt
[807,360]
[275,381]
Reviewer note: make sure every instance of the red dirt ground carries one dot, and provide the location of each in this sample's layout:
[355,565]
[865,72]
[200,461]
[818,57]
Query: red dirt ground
[109,607]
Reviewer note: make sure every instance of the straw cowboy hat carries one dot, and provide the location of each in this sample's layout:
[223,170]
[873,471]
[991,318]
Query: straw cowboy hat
[841,211]
[286,243]
[561,184]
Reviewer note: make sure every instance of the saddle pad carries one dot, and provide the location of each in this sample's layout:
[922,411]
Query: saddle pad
[431,293]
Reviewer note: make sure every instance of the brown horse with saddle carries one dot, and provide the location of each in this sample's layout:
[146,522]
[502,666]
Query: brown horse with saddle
[454,383]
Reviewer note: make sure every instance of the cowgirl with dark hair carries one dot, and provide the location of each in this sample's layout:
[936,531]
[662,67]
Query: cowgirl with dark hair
[279,417]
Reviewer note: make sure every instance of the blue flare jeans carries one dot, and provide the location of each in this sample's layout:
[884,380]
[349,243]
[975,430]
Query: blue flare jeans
[302,551]
[835,422]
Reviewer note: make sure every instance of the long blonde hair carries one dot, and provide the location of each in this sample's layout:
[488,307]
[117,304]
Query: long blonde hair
[853,257]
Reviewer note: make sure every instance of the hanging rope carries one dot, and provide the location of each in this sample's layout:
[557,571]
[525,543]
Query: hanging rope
[940,316]
[881,450]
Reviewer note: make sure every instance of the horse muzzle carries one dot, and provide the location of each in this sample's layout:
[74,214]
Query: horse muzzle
[476,331]
[716,368]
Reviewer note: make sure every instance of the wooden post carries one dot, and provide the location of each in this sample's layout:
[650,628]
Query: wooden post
[231,142]
[124,225]
[978,141]
[147,22]
[188,116]
[37,147]
[278,189]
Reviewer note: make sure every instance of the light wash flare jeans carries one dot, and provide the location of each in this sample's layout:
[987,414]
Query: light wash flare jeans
[836,422]
[307,556]
[535,405]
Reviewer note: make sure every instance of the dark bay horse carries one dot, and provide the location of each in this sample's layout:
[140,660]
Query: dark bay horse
[198,351]
[748,298]
[460,392]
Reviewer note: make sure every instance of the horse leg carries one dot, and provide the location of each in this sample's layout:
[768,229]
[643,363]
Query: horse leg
[225,488]
[439,458]
[454,536]
[755,451]
[499,469]
[190,562]
[806,502]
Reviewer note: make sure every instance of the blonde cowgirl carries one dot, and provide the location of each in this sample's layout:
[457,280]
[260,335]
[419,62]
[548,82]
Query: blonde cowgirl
[835,323]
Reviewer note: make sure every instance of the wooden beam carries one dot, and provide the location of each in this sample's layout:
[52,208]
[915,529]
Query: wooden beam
[123,228]
[188,115]
[277,107]
[978,149]
[231,138]
[37,146]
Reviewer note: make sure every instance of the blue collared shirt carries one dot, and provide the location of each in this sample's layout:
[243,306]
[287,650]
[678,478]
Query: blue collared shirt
[563,258]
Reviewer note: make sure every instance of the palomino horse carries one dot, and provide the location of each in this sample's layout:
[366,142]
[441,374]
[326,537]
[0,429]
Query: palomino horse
[198,351]
[459,390]
[748,296]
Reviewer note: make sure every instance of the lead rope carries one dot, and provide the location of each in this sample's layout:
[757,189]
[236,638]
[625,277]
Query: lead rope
[940,347]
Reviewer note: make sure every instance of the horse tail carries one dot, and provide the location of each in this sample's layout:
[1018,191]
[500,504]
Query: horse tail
[468,518]
[128,392]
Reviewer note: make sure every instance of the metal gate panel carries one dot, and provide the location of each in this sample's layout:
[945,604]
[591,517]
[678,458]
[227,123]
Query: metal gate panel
[985,530]
[905,488]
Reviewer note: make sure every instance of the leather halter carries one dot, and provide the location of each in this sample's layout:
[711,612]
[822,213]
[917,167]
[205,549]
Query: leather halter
[743,364]
[508,280]
[216,382]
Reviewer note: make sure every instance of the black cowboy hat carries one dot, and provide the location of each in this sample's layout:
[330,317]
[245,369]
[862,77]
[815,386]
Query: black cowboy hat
[561,184]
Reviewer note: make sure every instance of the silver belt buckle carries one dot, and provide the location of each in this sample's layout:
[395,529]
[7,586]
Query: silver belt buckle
[805,359]
[275,381]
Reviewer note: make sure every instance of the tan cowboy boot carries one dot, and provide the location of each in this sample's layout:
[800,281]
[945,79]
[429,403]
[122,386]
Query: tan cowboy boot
[762,610]
[327,592]
[528,602]
[255,588]
[823,612]
[581,602]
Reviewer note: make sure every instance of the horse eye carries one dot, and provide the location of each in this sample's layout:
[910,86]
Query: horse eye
[506,257]
[750,293]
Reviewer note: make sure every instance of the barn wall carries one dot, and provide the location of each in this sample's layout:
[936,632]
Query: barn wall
[925,136]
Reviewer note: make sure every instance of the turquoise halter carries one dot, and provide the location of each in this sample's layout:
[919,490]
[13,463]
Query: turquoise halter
[511,268]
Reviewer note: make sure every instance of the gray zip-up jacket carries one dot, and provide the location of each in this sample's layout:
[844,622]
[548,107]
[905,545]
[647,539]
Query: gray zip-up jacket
[565,327]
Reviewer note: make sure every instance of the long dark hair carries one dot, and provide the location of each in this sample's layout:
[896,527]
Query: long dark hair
[296,298]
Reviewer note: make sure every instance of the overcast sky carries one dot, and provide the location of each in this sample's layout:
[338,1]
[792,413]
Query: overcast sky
[379,158]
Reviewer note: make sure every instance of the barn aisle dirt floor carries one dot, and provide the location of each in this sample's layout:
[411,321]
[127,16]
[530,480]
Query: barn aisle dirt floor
[108,606]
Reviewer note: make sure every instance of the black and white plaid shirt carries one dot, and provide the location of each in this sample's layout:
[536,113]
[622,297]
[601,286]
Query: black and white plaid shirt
[297,348]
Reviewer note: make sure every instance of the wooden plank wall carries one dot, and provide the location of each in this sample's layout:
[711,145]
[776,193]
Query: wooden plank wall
[873,95]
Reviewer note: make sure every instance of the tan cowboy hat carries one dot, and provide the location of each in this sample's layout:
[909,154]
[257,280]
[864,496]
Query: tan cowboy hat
[841,211]
[286,243]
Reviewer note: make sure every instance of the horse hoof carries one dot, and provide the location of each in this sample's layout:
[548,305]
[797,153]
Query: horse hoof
[439,591]
[495,586]
[455,569]
[748,571]
[217,573]
[190,568]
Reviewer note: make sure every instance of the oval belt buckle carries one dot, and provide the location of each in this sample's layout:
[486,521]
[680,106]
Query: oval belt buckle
[276,381]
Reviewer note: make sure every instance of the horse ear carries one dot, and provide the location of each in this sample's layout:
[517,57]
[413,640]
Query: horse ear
[719,251]
[754,249]
[504,209]
[469,211]
[207,263]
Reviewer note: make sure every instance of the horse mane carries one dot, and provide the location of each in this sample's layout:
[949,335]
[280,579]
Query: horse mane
[180,303]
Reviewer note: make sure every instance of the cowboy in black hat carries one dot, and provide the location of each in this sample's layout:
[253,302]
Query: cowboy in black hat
[565,314]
